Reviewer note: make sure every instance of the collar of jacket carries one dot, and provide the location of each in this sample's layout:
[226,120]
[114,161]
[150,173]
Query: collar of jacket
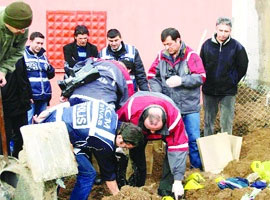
[122,50]
[181,54]
[214,40]
[40,53]
[76,46]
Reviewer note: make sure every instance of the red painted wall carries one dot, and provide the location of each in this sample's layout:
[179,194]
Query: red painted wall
[140,21]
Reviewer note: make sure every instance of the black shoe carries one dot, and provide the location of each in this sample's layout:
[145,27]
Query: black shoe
[98,180]
[165,193]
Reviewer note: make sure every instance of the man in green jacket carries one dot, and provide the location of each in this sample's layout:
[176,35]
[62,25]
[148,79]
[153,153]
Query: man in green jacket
[14,20]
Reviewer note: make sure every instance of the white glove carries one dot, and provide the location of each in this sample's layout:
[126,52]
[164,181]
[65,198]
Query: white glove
[177,189]
[174,81]
[120,150]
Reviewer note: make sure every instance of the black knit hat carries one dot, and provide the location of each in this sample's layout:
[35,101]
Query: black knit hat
[131,134]
[18,15]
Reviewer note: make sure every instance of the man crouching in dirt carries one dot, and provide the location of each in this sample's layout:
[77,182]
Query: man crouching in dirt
[94,124]
[159,118]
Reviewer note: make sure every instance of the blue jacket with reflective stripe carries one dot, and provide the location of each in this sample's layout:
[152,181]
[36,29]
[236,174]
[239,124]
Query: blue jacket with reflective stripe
[130,53]
[39,71]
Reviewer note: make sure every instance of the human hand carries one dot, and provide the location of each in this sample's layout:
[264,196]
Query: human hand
[177,189]
[38,119]
[3,80]
[63,99]
[174,81]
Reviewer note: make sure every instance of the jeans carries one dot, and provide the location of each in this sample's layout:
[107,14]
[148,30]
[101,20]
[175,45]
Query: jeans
[192,126]
[85,179]
[36,108]
[211,104]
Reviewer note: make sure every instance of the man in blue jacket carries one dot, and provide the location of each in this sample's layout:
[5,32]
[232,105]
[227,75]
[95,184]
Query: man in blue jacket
[225,61]
[118,50]
[94,125]
[39,71]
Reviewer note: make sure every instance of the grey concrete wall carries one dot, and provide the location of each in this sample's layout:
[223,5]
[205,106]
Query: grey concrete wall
[245,30]
[263,10]
[251,28]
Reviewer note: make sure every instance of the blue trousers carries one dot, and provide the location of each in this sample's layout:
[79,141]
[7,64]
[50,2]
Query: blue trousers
[192,126]
[85,179]
[36,108]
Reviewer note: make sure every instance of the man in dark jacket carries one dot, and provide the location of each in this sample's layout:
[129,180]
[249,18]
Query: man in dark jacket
[117,50]
[16,96]
[80,49]
[113,85]
[225,61]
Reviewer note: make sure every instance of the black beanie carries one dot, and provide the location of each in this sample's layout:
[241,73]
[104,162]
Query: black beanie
[18,15]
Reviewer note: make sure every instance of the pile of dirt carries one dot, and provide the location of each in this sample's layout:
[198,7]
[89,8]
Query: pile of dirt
[255,147]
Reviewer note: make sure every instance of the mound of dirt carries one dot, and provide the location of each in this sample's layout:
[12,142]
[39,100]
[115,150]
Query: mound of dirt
[255,146]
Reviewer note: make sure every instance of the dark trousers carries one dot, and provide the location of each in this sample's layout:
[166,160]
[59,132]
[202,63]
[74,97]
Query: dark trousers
[211,106]
[137,156]
[138,160]
[167,178]
[12,127]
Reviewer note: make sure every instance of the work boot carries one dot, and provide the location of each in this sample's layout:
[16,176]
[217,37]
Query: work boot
[165,193]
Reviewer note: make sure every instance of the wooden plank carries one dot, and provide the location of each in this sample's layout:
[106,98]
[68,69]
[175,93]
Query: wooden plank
[159,146]
[215,152]
[149,158]
[236,143]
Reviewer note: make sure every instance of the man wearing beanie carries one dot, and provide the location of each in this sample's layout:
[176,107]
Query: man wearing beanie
[14,20]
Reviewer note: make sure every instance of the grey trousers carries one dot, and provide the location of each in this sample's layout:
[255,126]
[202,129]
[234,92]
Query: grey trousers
[211,105]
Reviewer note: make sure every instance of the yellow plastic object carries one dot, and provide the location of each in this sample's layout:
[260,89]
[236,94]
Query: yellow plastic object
[265,171]
[256,166]
[196,176]
[262,168]
[193,185]
[167,198]
[218,179]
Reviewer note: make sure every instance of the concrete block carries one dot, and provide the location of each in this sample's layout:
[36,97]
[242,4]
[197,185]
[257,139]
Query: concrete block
[48,151]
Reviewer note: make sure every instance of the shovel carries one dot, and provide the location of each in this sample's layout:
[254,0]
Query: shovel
[3,130]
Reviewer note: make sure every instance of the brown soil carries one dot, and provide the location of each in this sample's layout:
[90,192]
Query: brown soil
[255,147]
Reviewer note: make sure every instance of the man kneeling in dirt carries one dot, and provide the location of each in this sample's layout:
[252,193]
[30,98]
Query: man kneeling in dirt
[159,118]
[94,125]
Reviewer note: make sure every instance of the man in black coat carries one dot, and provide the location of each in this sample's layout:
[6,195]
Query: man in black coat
[226,62]
[80,49]
[16,95]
